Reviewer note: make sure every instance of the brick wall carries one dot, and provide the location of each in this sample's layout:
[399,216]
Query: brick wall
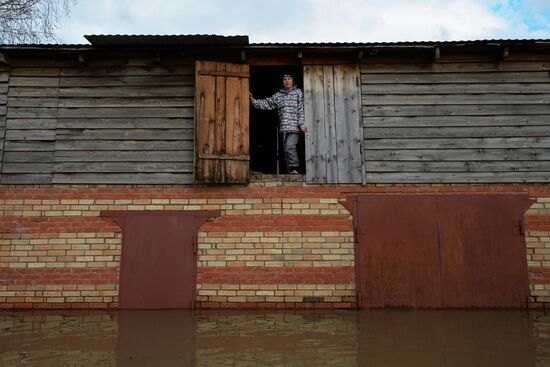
[277,244]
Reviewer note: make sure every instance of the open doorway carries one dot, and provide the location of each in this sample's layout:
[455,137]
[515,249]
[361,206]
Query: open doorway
[266,152]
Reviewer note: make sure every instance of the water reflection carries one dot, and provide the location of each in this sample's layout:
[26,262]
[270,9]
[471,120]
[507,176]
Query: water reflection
[253,338]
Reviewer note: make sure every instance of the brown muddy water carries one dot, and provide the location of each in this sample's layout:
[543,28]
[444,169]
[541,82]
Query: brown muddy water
[269,338]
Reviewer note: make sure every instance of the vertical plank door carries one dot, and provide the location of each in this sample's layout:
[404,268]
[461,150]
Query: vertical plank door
[332,103]
[222,147]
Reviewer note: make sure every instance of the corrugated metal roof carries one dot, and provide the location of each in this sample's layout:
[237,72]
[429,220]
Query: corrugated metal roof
[166,40]
[487,42]
[243,41]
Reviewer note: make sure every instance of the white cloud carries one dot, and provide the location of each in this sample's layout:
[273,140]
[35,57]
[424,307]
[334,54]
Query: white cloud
[312,20]
[398,20]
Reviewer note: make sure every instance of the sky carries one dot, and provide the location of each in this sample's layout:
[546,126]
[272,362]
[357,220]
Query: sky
[313,20]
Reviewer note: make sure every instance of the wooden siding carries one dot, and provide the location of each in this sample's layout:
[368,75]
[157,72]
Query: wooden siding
[4,78]
[127,122]
[332,111]
[30,125]
[457,122]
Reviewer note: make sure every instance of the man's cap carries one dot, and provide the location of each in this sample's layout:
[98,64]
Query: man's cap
[288,74]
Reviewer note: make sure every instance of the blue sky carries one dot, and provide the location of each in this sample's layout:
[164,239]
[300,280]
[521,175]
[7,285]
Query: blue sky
[313,20]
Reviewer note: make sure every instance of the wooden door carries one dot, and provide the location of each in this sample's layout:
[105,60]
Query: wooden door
[222,149]
[332,104]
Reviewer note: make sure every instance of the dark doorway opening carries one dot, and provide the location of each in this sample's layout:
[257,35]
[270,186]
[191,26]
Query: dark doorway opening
[266,153]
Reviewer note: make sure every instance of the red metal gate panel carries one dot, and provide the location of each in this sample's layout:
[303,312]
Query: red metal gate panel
[483,251]
[397,256]
[158,265]
[440,250]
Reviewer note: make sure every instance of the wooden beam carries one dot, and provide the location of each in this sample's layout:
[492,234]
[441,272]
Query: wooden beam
[243,55]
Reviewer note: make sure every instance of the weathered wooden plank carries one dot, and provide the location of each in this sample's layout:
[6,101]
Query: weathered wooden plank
[457,132]
[329,144]
[30,112]
[129,70]
[493,77]
[30,134]
[125,134]
[126,123]
[3,88]
[456,110]
[124,156]
[443,155]
[125,102]
[452,99]
[122,178]
[2,122]
[467,166]
[126,112]
[237,124]
[34,72]
[314,99]
[205,99]
[128,91]
[464,143]
[104,81]
[457,67]
[33,102]
[31,124]
[347,101]
[27,167]
[28,146]
[123,145]
[455,88]
[33,92]
[36,157]
[39,81]
[4,76]
[3,110]
[31,178]
[458,121]
[217,131]
[3,99]
[456,177]
[46,60]
[122,167]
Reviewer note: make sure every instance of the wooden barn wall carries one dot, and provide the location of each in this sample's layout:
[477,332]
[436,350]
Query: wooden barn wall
[4,77]
[454,121]
[126,120]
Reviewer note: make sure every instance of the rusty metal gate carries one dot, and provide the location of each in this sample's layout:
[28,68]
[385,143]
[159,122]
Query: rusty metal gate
[158,264]
[440,250]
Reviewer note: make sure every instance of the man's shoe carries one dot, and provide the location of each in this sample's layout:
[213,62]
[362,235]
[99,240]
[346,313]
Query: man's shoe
[293,172]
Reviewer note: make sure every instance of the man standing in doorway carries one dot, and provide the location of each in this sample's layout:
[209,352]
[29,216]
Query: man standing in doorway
[289,102]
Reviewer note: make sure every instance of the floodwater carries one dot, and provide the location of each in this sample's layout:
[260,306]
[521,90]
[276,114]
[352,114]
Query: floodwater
[271,338]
